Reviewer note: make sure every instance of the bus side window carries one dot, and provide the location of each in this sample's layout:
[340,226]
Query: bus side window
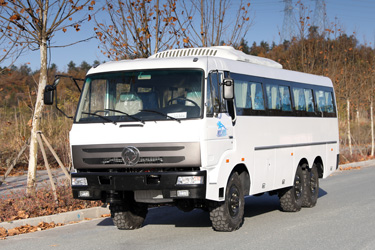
[242,94]
[286,104]
[214,81]
[303,99]
[320,101]
[299,99]
[273,97]
[257,99]
[329,102]
[209,100]
[309,100]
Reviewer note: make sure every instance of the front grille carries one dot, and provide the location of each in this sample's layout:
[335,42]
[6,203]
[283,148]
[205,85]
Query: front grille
[151,155]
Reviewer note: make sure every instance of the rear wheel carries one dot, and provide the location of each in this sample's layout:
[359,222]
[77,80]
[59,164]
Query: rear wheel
[128,216]
[310,195]
[291,198]
[228,216]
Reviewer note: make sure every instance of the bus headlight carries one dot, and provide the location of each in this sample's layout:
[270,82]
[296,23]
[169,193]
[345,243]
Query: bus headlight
[79,181]
[190,180]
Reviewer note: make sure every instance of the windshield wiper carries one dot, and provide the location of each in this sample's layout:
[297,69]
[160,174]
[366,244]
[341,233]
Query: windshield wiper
[160,113]
[100,116]
[131,116]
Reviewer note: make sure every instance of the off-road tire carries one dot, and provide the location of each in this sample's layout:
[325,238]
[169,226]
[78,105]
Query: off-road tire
[128,216]
[291,197]
[228,215]
[311,191]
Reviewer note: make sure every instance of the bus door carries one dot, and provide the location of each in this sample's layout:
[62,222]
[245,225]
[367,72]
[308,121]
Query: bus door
[219,126]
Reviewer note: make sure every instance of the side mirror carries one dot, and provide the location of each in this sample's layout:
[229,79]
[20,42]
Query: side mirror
[49,91]
[228,89]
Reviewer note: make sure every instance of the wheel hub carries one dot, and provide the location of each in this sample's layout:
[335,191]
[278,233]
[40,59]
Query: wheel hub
[297,187]
[234,201]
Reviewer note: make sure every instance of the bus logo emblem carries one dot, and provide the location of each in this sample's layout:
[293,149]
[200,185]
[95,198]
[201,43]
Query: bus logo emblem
[130,156]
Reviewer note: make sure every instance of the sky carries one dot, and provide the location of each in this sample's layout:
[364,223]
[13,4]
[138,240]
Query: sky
[353,16]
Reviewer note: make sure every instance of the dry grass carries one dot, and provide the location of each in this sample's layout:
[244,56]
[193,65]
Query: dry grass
[18,205]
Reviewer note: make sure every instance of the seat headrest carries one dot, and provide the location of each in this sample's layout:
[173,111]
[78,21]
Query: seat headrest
[128,97]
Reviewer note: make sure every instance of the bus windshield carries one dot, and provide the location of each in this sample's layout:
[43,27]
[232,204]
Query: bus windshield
[141,96]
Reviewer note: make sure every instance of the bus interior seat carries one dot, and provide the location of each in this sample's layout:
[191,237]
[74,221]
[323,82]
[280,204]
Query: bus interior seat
[129,103]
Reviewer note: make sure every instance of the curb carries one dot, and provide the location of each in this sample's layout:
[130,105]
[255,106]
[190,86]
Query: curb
[78,215]
[358,164]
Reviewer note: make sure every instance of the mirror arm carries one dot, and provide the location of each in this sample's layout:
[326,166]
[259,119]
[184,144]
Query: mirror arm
[70,117]
[72,78]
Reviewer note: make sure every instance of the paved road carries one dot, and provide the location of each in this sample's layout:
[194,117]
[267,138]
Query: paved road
[344,218]
[13,184]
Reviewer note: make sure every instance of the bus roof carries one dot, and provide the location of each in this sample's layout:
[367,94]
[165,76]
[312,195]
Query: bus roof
[212,58]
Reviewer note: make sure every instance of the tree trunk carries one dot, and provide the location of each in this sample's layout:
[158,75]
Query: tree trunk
[372,129]
[31,174]
[348,128]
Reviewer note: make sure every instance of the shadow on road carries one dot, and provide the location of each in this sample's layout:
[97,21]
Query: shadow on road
[254,206]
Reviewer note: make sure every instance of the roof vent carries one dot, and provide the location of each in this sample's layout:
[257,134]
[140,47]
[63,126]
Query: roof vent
[218,51]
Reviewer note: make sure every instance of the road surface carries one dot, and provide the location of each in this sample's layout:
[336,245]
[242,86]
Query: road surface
[344,218]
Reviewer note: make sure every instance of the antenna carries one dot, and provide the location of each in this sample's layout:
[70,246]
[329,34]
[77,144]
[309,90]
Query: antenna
[287,32]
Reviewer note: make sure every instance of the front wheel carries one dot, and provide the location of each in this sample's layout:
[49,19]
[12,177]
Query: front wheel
[128,216]
[228,216]
[291,198]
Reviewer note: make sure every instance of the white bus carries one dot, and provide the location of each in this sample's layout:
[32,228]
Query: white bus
[201,128]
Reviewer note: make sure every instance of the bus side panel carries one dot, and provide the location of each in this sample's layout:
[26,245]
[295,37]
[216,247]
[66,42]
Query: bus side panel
[264,169]
[284,172]
[329,162]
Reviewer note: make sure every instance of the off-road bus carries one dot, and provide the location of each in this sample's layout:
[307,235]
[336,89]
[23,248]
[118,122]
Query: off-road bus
[201,128]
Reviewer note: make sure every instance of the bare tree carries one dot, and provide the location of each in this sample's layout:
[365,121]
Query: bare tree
[34,23]
[136,28]
[213,22]
[143,27]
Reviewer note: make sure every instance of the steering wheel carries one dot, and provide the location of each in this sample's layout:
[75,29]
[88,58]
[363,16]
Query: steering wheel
[184,99]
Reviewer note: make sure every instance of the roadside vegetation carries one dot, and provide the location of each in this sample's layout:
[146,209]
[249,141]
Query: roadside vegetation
[16,206]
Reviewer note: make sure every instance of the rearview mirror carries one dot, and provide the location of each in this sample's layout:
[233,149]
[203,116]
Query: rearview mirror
[228,89]
[49,91]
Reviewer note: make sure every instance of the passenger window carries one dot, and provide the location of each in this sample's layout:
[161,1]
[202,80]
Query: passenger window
[299,99]
[303,99]
[329,102]
[324,101]
[309,100]
[273,97]
[242,94]
[249,95]
[256,94]
[286,104]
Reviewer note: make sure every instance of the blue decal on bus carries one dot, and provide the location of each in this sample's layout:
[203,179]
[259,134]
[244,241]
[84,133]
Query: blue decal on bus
[221,129]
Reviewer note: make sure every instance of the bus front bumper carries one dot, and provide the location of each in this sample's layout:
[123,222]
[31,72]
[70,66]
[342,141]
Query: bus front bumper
[152,187]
